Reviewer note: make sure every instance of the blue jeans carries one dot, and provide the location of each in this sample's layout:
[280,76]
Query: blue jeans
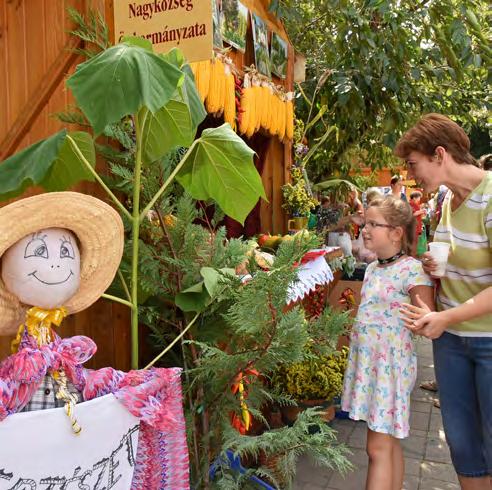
[463,367]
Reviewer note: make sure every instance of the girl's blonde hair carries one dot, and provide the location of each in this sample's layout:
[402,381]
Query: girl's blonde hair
[397,213]
[372,194]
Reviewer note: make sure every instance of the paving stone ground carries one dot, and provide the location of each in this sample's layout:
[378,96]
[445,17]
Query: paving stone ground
[427,461]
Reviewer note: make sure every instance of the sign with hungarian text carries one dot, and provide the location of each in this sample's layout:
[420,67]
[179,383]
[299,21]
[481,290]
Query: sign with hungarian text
[167,24]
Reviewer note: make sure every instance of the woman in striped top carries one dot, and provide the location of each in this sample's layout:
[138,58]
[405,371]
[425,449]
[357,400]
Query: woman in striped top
[437,151]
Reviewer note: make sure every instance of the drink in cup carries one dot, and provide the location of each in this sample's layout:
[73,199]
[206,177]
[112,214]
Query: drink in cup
[439,251]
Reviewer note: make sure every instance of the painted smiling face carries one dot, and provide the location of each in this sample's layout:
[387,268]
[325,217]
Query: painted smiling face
[43,269]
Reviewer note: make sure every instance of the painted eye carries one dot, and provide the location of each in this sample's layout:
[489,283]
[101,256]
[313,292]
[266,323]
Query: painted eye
[66,251]
[36,248]
[41,251]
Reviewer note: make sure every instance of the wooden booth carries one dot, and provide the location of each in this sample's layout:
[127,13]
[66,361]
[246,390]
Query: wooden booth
[274,157]
[36,57]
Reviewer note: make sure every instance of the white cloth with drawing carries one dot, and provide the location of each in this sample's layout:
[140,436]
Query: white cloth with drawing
[39,449]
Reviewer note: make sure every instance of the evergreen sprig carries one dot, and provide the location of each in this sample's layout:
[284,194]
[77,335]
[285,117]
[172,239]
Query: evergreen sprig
[308,435]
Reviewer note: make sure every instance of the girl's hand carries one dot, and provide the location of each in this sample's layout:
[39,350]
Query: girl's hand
[422,321]
[413,313]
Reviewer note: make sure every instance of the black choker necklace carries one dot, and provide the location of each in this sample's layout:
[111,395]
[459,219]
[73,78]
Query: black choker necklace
[391,259]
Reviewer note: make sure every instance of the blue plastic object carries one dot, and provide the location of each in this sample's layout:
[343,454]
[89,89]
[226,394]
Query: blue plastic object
[234,463]
[340,414]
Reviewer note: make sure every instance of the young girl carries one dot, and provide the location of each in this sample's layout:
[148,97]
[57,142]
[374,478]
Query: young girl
[382,365]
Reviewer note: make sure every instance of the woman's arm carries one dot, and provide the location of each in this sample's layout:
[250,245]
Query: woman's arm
[431,324]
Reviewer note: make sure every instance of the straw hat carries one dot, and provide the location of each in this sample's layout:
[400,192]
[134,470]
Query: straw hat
[98,228]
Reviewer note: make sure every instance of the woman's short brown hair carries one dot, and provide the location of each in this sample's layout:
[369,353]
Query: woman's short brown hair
[435,130]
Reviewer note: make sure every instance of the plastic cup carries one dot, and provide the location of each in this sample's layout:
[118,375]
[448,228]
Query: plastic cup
[439,251]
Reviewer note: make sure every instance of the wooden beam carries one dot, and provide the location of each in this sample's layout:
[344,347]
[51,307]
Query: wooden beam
[39,98]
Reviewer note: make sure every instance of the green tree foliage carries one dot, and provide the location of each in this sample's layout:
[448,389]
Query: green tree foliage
[374,66]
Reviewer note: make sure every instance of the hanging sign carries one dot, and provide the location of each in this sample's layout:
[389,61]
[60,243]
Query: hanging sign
[167,24]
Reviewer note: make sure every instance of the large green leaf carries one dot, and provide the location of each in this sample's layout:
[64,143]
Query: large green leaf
[200,295]
[169,127]
[188,92]
[138,41]
[195,298]
[121,80]
[174,56]
[190,95]
[212,279]
[219,166]
[67,169]
[50,163]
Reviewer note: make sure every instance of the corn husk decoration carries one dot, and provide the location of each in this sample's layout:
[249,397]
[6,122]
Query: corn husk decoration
[247,110]
[201,71]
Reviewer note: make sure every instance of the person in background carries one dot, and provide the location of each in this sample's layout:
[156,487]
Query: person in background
[333,222]
[437,151]
[419,247]
[372,194]
[397,188]
[355,208]
[382,364]
[485,162]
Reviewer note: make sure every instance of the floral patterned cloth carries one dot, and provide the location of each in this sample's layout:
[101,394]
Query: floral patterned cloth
[154,396]
[382,364]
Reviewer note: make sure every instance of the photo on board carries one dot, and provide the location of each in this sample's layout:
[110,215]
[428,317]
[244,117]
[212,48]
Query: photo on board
[216,24]
[260,40]
[234,23]
[278,56]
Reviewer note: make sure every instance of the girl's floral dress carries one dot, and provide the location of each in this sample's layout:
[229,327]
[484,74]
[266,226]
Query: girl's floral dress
[382,364]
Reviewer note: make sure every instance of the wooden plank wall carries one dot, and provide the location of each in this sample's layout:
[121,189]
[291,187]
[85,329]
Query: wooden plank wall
[34,62]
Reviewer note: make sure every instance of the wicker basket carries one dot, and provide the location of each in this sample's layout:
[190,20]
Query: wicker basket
[271,462]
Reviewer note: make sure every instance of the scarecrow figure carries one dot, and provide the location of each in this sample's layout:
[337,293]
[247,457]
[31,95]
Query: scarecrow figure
[59,252]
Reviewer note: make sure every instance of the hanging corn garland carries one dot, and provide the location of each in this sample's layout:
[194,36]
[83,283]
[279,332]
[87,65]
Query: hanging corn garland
[254,106]
[282,117]
[215,99]
[247,105]
[230,97]
[216,84]
[289,118]
[201,71]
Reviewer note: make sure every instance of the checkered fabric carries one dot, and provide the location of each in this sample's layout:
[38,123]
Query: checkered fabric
[45,396]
